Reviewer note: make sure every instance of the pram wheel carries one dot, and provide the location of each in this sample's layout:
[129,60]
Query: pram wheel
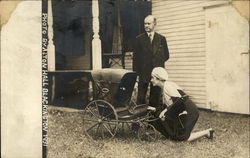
[147,132]
[100,120]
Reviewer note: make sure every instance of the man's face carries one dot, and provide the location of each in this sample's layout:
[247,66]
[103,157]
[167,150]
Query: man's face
[149,24]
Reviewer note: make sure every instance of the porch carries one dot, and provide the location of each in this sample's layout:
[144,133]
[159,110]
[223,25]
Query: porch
[89,35]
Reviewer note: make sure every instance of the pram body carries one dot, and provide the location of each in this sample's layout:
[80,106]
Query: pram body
[112,106]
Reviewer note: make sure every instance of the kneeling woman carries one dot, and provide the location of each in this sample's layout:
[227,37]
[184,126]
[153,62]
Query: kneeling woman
[177,119]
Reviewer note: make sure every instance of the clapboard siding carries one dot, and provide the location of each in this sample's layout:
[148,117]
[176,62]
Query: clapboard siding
[183,15]
[186,37]
[179,21]
[183,25]
[183,79]
[180,17]
[187,52]
[173,6]
[176,25]
[186,67]
[192,76]
[180,12]
[198,93]
[180,34]
[192,21]
[184,6]
[186,41]
[185,63]
[160,3]
[183,29]
[191,45]
[187,59]
[188,73]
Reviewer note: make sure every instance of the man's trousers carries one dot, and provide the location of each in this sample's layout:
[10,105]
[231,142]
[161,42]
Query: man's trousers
[154,95]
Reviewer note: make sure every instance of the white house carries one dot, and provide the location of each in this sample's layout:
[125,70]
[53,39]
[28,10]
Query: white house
[209,50]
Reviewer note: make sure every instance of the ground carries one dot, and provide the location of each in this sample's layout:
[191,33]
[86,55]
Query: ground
[67,139]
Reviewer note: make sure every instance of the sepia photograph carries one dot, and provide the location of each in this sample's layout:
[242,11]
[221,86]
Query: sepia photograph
[125,78]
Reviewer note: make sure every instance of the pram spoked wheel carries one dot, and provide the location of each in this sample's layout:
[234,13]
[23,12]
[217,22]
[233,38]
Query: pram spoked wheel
[147,132]
[100,120]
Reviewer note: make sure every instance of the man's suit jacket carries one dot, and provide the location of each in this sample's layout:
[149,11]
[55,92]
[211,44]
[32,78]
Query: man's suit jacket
[149,55]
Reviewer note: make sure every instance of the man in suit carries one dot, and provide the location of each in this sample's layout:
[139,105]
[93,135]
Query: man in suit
[151,51]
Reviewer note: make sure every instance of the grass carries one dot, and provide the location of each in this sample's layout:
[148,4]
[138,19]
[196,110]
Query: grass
[67,139]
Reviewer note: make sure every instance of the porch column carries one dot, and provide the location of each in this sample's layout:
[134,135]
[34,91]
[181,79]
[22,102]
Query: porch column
[51,47]
[96,42]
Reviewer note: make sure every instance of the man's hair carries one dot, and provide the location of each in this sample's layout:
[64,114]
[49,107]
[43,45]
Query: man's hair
[151,16]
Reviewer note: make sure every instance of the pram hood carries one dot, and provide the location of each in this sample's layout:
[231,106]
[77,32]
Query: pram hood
[119,82]
[110,75]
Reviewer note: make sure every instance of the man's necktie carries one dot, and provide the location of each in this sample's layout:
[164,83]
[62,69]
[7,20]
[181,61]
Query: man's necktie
[150,37]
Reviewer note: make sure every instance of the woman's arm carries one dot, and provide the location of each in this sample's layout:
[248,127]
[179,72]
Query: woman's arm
[151,108]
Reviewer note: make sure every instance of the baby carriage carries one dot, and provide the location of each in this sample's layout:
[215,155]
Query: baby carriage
[112,107]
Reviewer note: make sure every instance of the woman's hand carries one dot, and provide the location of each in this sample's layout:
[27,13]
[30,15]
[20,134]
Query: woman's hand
[151,108]
[162,114]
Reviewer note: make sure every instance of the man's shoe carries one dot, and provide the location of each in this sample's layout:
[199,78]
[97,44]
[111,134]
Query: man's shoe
[211,134]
